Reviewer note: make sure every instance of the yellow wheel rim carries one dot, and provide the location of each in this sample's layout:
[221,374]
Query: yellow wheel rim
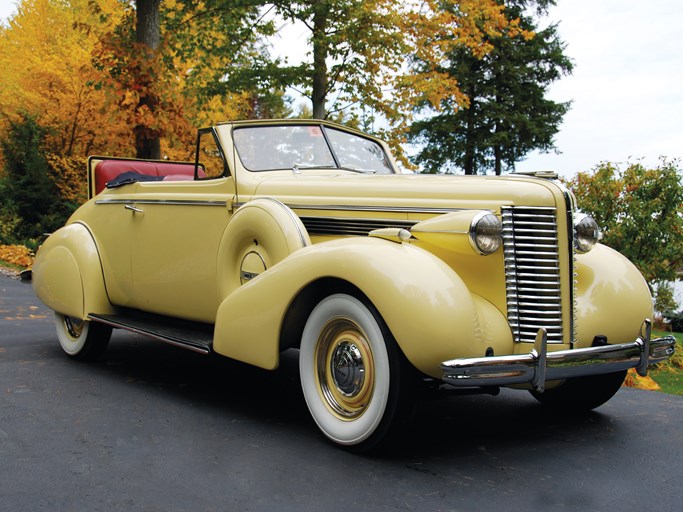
[345,368]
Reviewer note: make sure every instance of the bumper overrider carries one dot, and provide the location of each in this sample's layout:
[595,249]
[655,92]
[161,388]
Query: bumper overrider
[539,366]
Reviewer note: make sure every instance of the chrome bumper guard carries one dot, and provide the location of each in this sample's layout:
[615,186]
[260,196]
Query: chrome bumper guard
[539,366]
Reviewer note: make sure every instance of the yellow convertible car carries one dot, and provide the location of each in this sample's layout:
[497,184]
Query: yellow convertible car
[301,234]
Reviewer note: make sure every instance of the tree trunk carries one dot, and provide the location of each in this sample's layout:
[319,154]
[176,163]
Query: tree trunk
[497,165]
[469,164]
[148,33]
[148,28]
[319,59]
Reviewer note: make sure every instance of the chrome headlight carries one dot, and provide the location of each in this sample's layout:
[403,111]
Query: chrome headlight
[586,232]
[486,233]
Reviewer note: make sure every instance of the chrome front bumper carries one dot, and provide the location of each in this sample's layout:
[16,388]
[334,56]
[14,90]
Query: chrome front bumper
[539,365]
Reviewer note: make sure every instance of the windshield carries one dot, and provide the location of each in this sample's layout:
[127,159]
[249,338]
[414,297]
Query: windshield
[296,147]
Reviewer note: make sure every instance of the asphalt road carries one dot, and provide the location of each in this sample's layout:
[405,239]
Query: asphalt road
[157,428]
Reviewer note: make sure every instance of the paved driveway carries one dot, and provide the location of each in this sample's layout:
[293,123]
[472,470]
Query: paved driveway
[156,428]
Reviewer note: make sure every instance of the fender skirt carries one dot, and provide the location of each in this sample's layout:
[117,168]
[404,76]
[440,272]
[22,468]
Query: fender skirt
[67,273]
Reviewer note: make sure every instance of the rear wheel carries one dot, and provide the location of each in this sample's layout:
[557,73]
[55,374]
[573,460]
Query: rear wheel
[81,339]
[582,393]
[355,380]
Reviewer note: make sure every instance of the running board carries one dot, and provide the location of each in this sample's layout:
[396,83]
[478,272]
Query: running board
[194,336]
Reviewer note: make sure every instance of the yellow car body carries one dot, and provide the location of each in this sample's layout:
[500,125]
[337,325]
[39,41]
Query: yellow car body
[245,250]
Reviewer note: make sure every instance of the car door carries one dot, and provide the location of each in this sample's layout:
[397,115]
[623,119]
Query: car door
[175,237]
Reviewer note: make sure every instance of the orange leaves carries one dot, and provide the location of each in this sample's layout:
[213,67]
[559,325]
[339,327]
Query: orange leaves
[633,380]
[45,54]
[16,255]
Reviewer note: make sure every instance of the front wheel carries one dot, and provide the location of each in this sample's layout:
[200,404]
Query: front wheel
[81,339]
[354,378]
[582,393]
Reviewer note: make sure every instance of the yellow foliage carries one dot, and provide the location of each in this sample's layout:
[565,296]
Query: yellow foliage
[633,380]
[69,174]
[45,55]
[71,64]
[16,255]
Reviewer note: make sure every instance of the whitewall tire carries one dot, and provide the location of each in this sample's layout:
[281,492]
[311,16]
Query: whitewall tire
[82,339]
[350,370]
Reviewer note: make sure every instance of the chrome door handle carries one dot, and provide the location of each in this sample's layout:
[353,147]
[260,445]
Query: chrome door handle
[133,209]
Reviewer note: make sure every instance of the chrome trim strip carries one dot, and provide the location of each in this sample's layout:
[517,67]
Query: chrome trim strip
[387,209]
[573,276]
[540,366]
[164,202]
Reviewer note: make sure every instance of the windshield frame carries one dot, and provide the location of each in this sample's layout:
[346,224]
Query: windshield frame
[381,165]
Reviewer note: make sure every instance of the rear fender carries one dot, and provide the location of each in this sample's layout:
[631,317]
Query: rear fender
[67,273]
[427,307]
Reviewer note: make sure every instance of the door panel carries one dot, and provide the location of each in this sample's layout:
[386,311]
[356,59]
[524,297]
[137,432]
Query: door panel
[175,245]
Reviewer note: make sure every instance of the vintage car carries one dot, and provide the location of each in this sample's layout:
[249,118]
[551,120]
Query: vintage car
[301,234]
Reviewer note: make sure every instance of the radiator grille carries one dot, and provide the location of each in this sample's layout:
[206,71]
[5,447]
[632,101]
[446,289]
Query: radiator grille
[532,272]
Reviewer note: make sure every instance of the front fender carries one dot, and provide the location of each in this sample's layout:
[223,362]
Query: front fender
[67,273]
[425,304]
[612,297]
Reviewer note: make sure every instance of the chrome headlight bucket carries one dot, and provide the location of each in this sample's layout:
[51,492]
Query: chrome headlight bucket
[586,232]
[486,233]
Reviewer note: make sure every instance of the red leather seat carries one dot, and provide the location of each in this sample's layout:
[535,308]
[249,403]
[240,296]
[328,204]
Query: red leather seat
[107,170]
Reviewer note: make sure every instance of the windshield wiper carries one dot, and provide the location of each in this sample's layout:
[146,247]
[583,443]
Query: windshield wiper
[296,168]
[357,169]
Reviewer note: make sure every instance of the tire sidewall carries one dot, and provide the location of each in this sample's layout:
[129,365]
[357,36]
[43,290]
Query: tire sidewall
[358,430]
[72,345]
[89,345]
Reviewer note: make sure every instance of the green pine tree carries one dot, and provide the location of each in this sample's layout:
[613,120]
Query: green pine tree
[28,191]
[508,114]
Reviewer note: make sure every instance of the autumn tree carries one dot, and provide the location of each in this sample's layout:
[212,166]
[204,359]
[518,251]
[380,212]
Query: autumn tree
[506,114]
[48,94]
[148,37]
[640,212]
[360,52]
[45,55]
[140,83]
[172,66]
[228,70]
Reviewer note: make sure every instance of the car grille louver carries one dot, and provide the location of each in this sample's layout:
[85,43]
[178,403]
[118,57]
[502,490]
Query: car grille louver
[532,272]
[350,226]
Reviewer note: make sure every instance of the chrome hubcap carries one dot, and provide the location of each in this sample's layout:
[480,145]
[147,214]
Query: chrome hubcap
[348,370]
[74,326]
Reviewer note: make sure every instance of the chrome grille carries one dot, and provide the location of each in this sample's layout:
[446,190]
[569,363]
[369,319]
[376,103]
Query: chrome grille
[532,272]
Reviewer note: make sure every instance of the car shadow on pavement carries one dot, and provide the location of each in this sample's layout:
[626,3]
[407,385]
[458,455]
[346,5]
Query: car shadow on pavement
[457,426]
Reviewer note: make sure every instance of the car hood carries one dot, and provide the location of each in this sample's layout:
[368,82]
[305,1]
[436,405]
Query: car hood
[418,191]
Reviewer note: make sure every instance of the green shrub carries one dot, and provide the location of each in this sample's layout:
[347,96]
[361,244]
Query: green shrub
[30,202]
[675,320]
